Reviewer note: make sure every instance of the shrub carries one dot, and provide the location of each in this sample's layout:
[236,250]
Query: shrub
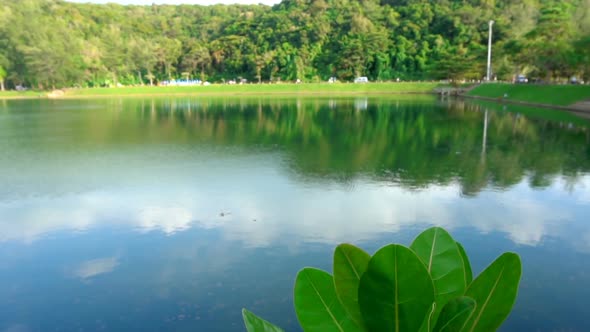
[427,287]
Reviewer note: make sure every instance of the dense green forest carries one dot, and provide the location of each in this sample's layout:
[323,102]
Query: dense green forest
[48,43]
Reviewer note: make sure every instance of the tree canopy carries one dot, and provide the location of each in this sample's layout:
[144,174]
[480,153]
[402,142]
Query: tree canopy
[52,43]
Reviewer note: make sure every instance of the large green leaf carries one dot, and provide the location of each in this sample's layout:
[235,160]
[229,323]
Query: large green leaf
[396,292]
[453,316]
[441,255]
[466,264]
[256,324]
[350,264]
[428,321]
[495,291]
[316,303]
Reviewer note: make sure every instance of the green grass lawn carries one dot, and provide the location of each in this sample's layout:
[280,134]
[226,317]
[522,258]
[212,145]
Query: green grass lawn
[259,89]
[562,95]
[20,94]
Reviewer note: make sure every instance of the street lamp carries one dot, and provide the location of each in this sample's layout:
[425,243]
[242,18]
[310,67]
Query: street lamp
[489,74]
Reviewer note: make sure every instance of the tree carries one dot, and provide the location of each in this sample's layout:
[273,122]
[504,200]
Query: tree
[53,59]
[196,56]
[458,64]
[2,77]
[262,61]
[550,42]
[582,56]
[167,52]
[116,50]
[142,52]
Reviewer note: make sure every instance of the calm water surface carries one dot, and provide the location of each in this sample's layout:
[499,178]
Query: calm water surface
[173,214]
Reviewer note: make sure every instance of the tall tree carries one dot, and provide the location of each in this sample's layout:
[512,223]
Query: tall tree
[142,53]
[2,77]
[550,42]
[196,56]
[167,53]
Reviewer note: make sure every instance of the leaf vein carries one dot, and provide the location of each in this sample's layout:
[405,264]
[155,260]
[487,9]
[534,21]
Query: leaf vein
[483,307]
[324,303]
[351,265]
[432,251]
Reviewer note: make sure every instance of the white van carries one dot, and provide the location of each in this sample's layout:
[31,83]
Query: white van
[362,79]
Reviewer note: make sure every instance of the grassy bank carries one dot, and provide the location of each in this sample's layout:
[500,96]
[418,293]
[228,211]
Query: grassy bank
[559,95]
[20,94]
[535,112]
[247,89]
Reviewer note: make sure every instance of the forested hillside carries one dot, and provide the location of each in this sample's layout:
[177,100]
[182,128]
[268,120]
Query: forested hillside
[49,43]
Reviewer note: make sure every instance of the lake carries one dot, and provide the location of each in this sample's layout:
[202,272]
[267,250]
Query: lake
[174,214]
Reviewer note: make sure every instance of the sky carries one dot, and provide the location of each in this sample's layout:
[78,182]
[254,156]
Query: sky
[177,2]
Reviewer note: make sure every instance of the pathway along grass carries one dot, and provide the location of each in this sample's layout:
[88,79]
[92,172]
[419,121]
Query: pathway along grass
[246,89]
[558,95]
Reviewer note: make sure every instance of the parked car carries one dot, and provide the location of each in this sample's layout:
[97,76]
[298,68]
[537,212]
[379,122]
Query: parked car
[362,79]
[521,79]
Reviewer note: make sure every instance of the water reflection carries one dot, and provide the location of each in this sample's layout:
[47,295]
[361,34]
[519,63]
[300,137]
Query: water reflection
[161,214]
[416,145]
[95,267]
[310,170]
[267,216]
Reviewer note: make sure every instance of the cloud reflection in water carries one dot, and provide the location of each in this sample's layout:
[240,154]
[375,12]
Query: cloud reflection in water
[285,212]
[95,267]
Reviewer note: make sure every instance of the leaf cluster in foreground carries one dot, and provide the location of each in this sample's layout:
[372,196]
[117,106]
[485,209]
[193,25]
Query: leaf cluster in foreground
[428,287]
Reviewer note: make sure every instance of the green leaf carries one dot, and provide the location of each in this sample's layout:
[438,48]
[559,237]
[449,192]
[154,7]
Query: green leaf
[350,264]
[316,303]
[396,292]
[495,291]
[427,323]
[256,324]
[441,255]
[466,264]
[453,316]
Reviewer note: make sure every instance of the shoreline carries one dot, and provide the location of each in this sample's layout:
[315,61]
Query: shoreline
[581,111]
[221,94]
[581,108]
[310,89]
[239,94]
[571,98]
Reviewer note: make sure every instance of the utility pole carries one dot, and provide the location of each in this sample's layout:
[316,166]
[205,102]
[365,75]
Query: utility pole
[489,74]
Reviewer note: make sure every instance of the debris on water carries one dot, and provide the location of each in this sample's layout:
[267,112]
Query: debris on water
[222,214]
